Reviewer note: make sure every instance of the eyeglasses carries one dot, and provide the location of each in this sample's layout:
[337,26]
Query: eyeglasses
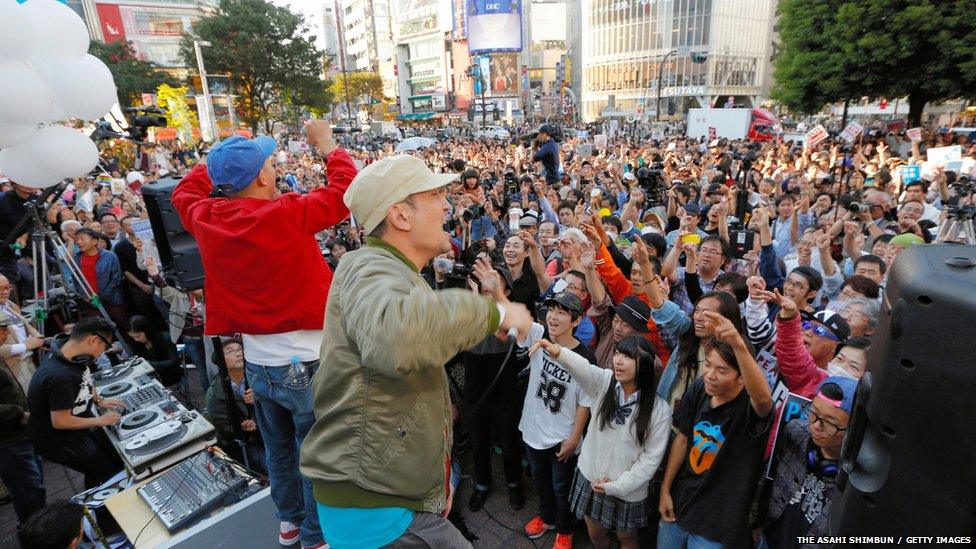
[819,330]
[108,344]
[794,284]
[576,287]
[709,251]
[829,427]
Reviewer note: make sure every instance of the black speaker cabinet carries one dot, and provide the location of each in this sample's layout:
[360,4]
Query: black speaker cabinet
[907,467]
[177,248]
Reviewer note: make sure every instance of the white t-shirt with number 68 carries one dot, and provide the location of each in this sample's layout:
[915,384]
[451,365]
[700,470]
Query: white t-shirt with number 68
[549,410]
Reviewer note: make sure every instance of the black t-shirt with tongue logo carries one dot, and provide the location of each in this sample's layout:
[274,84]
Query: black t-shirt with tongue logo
[59,384]
[715,484]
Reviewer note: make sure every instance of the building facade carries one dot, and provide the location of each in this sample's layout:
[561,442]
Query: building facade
[424,57]
[154,27]
[366,38]
[626,43]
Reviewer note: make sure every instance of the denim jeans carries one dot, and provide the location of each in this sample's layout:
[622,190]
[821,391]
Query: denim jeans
[672,535]
[93,457]
[20,471]
[553,479]
[284,416]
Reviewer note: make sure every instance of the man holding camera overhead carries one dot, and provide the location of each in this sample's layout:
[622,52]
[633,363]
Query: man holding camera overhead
[548,153]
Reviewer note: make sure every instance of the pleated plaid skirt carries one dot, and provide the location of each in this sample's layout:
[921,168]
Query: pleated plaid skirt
[611,512]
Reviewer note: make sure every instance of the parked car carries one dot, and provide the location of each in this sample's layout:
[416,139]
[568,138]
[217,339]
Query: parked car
[492,132]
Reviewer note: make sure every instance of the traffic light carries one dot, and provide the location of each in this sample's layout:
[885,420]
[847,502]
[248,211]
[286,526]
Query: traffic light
[699,58]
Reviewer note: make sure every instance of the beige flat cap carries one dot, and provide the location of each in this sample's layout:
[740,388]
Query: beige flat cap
[387,182]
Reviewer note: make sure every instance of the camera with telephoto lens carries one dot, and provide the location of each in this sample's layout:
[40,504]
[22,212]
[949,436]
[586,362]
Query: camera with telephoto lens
[649,179]
[856,207]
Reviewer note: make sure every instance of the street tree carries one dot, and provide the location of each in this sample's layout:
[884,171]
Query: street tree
[133,76]
[358,84]
[268,54]
[840,50]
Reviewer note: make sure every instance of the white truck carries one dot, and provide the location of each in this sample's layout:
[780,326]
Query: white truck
[754,124]
[383,128]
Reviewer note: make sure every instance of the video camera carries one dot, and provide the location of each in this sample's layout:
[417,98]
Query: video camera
[649,178]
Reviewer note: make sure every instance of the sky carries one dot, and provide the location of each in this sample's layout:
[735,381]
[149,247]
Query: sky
[312,10]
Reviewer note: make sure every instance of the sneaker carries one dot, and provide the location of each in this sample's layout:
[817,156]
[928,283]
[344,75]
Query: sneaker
[516,497]
[288,534]
[563,541]
[320,545]
[536,528]
[477,500]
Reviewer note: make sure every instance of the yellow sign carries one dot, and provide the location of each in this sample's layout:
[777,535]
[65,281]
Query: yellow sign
[535,74]
[569,69]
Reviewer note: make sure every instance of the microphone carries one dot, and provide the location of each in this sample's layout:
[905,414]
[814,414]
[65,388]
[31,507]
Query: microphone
[513,333]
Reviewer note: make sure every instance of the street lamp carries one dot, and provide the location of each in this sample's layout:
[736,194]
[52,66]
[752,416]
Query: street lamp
[211,116]
[696,58]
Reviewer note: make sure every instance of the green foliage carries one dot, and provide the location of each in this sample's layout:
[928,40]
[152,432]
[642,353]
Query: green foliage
[833,50]
[267,53]
[133,77]
[359,83]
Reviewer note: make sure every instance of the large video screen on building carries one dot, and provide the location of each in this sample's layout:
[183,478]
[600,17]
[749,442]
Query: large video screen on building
[494,25]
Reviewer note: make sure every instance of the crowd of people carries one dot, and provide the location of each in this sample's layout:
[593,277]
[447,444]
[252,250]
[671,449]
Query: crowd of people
[680,290]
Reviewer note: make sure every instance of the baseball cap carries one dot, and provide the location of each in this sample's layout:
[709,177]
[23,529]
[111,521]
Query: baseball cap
[234,163]
[568,301]
[692,209]
[907,240]
[847,386]
[834,322]
[634,312]
[388,181]
[529,219]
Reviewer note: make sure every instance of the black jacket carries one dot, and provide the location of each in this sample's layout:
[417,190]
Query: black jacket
[13,404]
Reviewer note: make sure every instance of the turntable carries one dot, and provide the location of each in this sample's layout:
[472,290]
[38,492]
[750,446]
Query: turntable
[145,418]
[115,390]
[159,435]
[130,369]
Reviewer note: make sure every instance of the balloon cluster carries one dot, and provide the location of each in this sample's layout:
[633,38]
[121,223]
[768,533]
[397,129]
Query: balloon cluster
[47,75]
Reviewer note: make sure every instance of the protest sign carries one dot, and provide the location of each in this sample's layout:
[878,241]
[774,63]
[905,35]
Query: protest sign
[584,150]
[915,134]
[296,146]
[851,132]
[940,156]
[600,142]
[814,136]
[910,174]
[144,233]
[793,409]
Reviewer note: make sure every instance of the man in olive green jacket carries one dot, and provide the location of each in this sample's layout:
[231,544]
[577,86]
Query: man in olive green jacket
[378,455]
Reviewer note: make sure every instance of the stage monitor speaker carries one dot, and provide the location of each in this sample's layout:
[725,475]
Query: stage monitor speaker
[178,250]
[905,465]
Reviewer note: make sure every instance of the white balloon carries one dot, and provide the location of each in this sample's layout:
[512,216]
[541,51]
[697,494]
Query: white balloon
[80,88]
[63,35]
[17,35]
[24,98]
[16,164]
[62,151]
[15,134]
[93,61]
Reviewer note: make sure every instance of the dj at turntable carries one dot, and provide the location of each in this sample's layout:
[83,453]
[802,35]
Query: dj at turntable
[62,398]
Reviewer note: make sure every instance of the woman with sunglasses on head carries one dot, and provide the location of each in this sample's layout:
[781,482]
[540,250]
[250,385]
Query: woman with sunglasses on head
[688,358]
[625,441]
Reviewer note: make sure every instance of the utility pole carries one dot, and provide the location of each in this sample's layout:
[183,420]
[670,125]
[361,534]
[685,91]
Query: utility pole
[208,102]
[660,72]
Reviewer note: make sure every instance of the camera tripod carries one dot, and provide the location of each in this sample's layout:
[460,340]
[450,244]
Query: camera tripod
[958,227]
[40,236]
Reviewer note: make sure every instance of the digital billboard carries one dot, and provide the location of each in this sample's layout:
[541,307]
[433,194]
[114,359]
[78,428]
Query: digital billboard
[494,25]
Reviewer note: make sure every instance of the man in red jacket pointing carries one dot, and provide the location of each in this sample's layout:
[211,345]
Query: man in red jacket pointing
[266,279]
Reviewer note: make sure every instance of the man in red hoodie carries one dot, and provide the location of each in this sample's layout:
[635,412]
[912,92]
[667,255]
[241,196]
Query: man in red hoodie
[266,279]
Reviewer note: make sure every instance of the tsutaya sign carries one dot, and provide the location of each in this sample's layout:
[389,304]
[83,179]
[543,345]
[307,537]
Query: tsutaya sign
[622,5]
[675,91]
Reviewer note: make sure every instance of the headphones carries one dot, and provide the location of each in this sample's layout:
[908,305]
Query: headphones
[82,361]
[825,467]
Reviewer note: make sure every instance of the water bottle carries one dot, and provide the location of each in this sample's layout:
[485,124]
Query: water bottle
[298,373]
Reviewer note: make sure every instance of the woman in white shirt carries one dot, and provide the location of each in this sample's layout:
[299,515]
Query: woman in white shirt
[625,441]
